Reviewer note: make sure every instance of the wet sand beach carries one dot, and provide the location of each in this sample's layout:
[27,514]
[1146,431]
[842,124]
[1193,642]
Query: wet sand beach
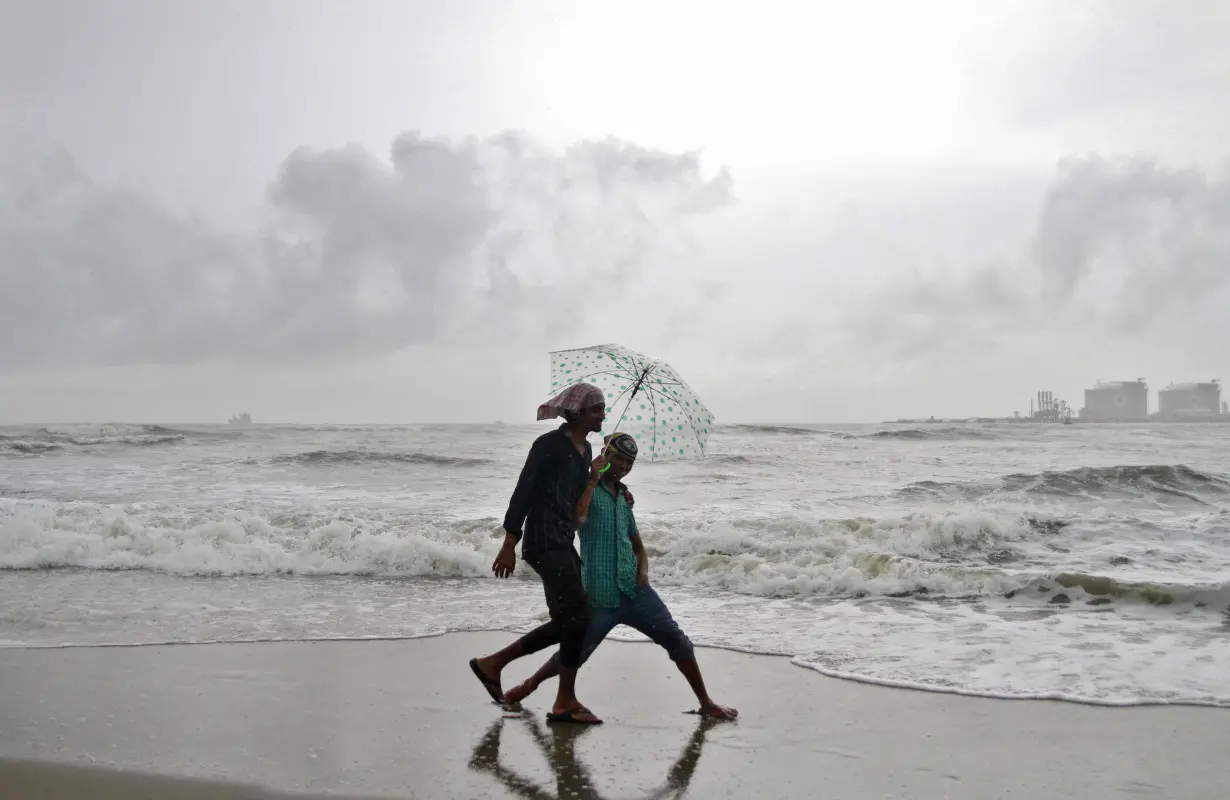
[407,719]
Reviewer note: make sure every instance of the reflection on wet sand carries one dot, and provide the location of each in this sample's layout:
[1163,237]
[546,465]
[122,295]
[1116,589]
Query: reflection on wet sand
[572,777]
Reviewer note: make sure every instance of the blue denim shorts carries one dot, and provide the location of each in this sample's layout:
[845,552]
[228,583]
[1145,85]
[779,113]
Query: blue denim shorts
[645,612]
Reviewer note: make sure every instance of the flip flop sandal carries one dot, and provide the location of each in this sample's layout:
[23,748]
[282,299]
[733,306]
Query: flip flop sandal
[571,716]
[492,687]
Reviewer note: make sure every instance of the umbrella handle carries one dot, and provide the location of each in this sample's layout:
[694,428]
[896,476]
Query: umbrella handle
[636,388]
[607,465]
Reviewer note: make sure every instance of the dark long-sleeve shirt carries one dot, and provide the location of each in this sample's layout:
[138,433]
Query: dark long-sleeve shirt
[551,483]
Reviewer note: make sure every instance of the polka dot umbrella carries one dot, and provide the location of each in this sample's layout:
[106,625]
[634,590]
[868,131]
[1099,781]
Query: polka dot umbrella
[645,397]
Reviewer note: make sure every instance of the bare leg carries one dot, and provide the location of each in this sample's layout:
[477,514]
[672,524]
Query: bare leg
[566,697]
[490,667]
[523,690]
[651,617]
[494,664]
[691,671]
[602,621]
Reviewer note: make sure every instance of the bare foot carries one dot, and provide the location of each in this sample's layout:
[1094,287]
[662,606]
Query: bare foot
[518,693]
[718,712]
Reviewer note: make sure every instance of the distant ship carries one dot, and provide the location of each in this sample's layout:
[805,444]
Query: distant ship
[242,419]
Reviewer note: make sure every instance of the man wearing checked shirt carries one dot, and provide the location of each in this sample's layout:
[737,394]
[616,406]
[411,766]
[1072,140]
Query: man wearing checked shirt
[615,572]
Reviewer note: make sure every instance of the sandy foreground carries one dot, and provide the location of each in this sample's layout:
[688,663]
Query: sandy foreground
[407,719]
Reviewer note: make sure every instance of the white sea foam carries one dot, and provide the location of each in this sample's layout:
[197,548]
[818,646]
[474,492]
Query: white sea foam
[768,557]
[1132,654]
[302,542]
[939,554]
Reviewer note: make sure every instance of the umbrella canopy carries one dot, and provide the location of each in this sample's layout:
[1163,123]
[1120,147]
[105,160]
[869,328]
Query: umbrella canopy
[645,397]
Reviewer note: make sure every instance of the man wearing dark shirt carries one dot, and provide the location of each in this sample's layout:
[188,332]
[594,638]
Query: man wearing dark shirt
[541,516]
[616,575]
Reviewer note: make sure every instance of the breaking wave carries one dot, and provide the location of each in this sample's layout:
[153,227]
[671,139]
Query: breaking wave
[788,430]
[28,448]
[41,441]
[227,542]
[1100,589]
[936,554]
[919,434]
[937,433]
[729,458]
[1166,480]
[342,457]
[1162,478]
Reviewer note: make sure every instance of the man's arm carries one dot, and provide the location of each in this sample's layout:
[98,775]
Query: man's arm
[638,547]
[642,561]
[582,508]
[518,508]
[519,504]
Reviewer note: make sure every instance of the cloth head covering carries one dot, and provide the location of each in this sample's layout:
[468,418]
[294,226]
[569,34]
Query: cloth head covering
[575,398]
[623,444]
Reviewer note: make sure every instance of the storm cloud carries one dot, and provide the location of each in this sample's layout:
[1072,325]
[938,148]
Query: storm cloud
[1122,246]
[1119,60]
[364,255]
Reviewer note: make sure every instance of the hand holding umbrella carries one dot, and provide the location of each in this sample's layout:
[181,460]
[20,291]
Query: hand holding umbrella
[660,409]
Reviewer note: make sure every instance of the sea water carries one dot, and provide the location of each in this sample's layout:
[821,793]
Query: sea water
[1079,562]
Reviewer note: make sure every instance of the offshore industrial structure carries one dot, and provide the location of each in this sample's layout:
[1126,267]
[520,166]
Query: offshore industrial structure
[1189,400]
[1117,401]
[1048,409]
[1120,401]
[1128,401]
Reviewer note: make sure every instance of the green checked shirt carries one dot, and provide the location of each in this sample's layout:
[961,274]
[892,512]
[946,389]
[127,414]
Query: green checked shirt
[609,565]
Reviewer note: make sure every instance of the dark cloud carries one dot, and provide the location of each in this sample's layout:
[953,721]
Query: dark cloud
[1131,237]
[1123,247]
[366,255]
[1152,63]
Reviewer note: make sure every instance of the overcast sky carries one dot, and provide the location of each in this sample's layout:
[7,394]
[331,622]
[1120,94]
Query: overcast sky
[391,211]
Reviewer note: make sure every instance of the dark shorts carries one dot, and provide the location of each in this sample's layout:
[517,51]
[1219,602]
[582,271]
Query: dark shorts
[567,603]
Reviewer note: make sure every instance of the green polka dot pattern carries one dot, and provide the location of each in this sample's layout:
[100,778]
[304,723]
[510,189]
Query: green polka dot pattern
[666,417]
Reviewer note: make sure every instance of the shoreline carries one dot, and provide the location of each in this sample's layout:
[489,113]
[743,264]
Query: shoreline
[793,660]
[405,718]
